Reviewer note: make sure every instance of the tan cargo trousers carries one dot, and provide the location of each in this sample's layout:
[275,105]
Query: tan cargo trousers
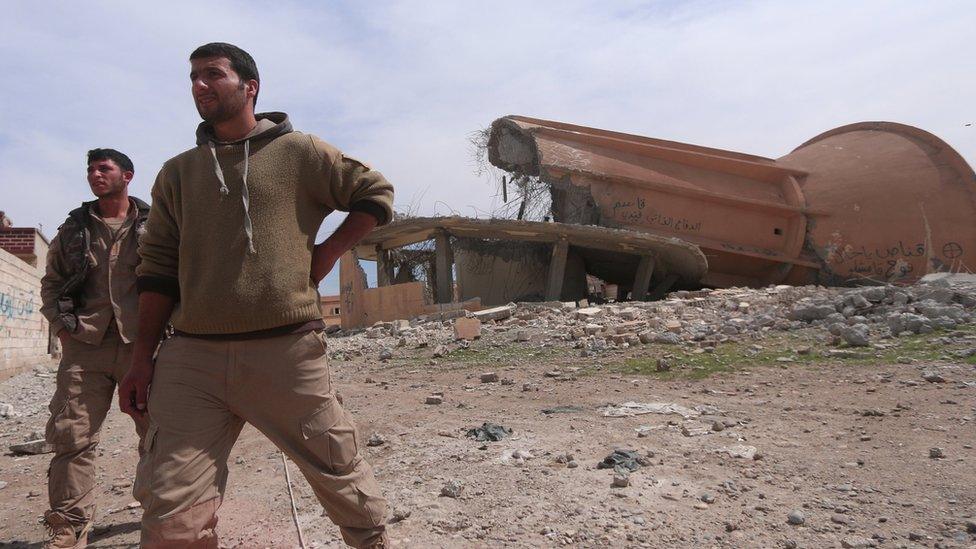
[202,393]
[85,392]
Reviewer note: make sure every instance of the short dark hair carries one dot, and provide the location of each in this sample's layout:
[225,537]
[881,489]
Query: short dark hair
[241,61]
[120,159]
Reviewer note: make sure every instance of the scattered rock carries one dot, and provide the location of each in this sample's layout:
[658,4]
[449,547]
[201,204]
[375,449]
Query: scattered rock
[434,399]
[796,517]
[489,377]
[452,489]
[376,440]
[34,447]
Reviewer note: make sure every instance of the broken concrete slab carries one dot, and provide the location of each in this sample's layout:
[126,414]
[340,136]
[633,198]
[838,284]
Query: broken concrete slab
[33,447]
[467,328]
[495,313]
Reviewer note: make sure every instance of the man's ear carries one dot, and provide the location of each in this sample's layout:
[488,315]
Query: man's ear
[252,87]
[127,176]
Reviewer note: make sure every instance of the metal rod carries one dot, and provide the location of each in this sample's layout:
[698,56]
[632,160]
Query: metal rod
[291,496]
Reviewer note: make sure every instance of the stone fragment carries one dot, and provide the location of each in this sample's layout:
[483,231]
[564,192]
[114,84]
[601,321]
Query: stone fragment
[376,440]
[386,354]
[495,313]
[452,489]
[467,328]
[856,335]
[489,377]
[857,542]
[932,376]
[621,479]
[439,351]
[796,517]
[937,453]
[434,399]
[34,447]
[809,312]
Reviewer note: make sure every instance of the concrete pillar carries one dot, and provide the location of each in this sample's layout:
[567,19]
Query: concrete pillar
[663,287]
[444,267]
[557,270]
[642,280]
[384,267]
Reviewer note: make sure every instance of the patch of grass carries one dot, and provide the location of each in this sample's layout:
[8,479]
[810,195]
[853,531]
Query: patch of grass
[778,346]
[506,354]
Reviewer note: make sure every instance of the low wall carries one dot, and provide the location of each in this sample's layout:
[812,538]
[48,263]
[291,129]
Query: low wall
[23,331]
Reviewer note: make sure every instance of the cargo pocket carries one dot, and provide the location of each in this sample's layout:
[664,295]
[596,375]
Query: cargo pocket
[149,440]
[54,432]
[371,501]
[331,435]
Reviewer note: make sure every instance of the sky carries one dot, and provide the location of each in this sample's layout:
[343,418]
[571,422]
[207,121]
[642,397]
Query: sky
[402,85]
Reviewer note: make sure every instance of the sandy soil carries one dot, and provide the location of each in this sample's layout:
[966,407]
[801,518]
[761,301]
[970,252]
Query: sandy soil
[846,445]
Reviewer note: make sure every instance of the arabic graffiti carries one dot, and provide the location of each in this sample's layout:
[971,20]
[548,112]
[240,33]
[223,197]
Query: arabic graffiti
[893,251]
[16,305]
[633,211]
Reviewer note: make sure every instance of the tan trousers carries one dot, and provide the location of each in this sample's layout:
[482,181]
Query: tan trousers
[85,391]
[202,393]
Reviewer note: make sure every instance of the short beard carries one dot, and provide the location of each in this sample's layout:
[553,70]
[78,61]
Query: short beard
[225,110]
[115,189]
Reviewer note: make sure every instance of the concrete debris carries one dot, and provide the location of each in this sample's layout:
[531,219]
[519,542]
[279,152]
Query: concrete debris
[489,432]
[467,328]
[854,323]
[621,460]
[38,446]
[742,451]
[628,409]
[452,489]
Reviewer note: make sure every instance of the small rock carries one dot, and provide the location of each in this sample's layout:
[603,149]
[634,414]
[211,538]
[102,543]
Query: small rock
[620,479]
[707,497]
[932,376]
[489,377]
[796,517]
[440,351]
[6,410]
[936,453]
[386,354]
[376,440]
[34,447]
[452,489]
[856,542]
[434,399]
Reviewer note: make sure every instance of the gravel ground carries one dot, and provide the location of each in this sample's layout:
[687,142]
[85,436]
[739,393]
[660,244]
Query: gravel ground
[862,450]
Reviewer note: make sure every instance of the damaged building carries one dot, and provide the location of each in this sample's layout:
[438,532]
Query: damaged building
[874,202]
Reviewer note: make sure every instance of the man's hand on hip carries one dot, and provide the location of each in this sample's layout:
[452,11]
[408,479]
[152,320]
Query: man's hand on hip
[351,231]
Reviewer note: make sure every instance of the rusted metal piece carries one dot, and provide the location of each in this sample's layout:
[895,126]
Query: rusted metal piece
[873,200]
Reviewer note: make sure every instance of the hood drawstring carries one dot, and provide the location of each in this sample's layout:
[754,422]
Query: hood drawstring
[245,196]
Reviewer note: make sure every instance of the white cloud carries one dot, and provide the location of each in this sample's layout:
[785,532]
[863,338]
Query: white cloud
[402,84]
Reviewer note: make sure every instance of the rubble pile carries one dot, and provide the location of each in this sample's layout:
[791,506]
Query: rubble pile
[855,317]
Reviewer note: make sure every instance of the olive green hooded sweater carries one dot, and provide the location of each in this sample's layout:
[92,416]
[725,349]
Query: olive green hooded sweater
[232,226]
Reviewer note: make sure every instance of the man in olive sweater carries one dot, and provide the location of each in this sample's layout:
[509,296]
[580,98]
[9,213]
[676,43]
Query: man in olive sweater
[229,258]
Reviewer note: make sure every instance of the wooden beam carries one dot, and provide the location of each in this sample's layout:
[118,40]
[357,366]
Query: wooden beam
[557,270]
[642,280]
[663,287]
[384,267]
[444,267]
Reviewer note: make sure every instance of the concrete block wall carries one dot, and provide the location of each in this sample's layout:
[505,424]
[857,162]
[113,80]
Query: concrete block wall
[23,331]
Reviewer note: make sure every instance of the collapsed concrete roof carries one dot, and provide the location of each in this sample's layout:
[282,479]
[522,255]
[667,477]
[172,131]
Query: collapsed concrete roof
[666,259]
[875,200]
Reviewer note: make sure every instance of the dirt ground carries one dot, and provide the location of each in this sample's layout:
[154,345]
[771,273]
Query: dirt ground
[847,445]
